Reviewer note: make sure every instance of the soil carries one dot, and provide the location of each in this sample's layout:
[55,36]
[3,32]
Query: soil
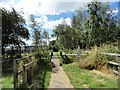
[104,73]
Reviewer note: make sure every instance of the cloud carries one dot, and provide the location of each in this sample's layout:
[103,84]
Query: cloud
[28,42]
[52,8]
[39,7]
[45,7]
[113,11]
[51,24]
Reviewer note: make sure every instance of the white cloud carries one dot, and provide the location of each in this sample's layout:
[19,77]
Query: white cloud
[28,42]
[113,11]
[45,7]
[51,24]
[39,7]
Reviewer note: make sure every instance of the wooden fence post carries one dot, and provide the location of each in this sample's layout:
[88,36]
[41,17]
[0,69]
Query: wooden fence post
[24,76]
[31,75]
[119,72]
[15,74]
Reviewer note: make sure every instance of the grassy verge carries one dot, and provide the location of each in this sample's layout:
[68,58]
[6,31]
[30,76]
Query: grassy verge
[81,78]
[44,74]
[7,80]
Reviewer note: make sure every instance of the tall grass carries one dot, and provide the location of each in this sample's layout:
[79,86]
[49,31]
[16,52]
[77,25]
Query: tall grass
[95,60]
[89,61]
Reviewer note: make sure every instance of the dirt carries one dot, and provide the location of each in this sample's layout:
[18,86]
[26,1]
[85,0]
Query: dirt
[104,73]
[59,78]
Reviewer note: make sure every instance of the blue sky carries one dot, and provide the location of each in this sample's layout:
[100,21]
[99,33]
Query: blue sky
[50,13]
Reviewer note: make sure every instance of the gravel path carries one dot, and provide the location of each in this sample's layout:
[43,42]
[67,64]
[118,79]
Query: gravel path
[59,78]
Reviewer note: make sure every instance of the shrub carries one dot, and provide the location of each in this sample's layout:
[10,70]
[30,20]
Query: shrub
[89,61]
[96,60]
[108,49]
[66,59]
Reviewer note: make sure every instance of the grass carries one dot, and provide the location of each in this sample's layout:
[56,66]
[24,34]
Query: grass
[7,80]
[81,78]
[44,74]
[60,58]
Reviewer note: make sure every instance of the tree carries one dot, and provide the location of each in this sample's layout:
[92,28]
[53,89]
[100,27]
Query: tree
[45,36]
[36,33]
[78,25]
[65,36]
[101,23]
[13,29]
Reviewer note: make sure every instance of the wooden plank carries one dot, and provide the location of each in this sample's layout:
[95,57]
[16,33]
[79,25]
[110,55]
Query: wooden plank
[28,65]
[23,70]
[116,72]
[19,72]
[72,54]
[111,54]
[114,63]
[15,76]
[24,76]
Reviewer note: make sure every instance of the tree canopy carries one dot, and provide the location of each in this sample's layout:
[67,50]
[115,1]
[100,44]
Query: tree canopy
[13,29]
[95,26]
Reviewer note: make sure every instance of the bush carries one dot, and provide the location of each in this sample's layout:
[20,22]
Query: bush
[66,59]
[96,60]
[108,49]
[89,61]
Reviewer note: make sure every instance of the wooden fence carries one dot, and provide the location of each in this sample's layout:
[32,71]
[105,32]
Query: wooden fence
[23,72]
[114,64]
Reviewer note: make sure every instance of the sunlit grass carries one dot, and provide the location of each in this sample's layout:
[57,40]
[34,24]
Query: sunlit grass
[81,78]
[7,81]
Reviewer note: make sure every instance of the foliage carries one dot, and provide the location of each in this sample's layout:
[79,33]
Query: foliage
[95,60]
[43,76]
[102,25]
[36,34]
[81,78]
[95,26]
[89,61]
[13,30]
[108,48]
[45,36]
[65,36]
[7,80]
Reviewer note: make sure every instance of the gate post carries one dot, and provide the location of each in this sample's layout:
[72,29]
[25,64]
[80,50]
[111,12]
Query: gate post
[24,76]
[15,74]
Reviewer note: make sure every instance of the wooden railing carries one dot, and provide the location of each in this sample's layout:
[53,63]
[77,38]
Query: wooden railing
[116,64]
[23,72]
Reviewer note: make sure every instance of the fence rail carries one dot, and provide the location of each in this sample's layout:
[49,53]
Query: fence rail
[110,62]
[114,63]
[111,54]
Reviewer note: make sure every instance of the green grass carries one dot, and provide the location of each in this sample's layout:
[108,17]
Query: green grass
[44,75]
[81,78]
[57,53]
[7,80]
[60,58]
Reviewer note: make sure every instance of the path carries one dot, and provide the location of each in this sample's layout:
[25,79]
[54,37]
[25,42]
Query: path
[59,78]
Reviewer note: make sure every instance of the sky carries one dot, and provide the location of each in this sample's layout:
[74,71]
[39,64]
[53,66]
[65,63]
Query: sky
[49,12]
